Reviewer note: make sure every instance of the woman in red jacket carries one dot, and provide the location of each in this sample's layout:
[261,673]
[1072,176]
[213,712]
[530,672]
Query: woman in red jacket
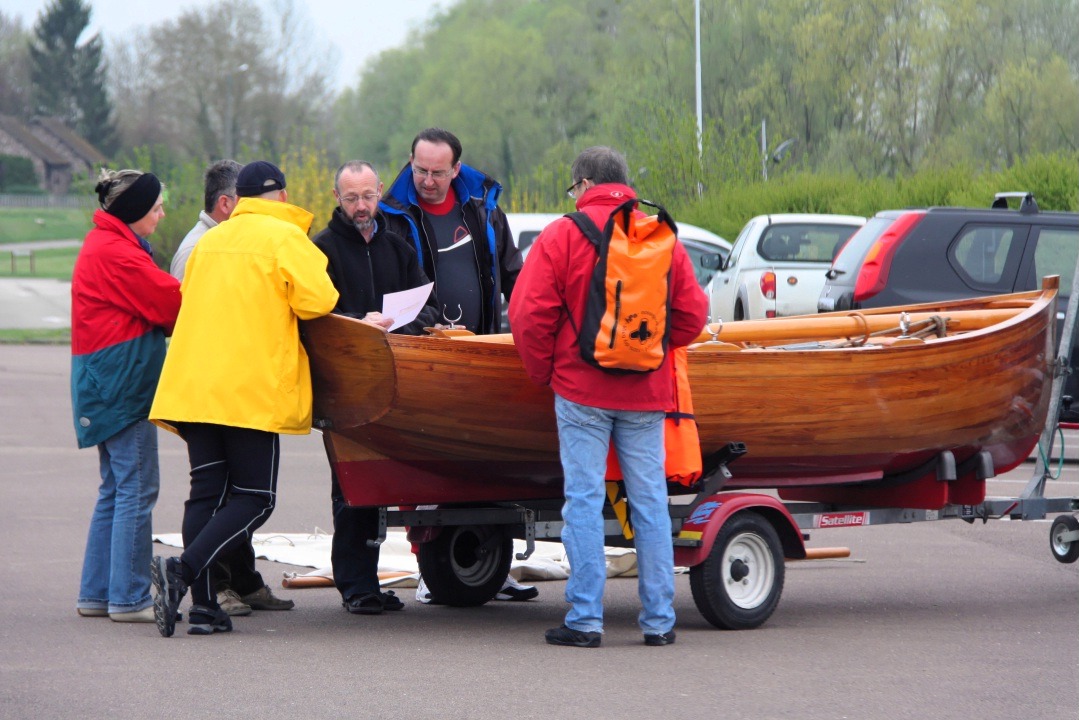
[122,307]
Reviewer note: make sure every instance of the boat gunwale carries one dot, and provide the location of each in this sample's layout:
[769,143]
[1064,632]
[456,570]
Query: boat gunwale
[1025,304]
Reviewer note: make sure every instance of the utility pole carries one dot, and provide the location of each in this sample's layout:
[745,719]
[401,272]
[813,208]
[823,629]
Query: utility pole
[700,112]
[764,149]
[230,111]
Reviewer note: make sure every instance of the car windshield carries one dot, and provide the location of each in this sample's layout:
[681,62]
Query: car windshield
[803,242]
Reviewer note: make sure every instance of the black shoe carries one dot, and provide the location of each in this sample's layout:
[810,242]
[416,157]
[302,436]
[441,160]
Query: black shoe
[169,591]
[366,604]
[666,638]
[391,602]
[207,621]
[577,638]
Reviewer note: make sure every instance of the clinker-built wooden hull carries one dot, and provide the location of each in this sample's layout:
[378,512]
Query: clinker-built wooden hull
[435,420]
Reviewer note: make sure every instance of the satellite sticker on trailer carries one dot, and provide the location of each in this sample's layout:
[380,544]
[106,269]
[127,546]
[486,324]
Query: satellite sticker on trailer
[850,519]
[702,513]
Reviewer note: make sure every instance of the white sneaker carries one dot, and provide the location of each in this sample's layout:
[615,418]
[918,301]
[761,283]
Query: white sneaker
[423,595]
[146,615]
[515,591]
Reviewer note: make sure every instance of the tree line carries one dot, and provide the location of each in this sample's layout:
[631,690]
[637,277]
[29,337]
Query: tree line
[873,87]
[211,83]
[861,88]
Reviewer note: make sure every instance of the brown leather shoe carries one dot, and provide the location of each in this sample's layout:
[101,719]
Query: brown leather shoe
[231,603]
[263,599]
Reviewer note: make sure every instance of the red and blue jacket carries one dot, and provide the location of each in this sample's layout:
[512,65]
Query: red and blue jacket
[122,308]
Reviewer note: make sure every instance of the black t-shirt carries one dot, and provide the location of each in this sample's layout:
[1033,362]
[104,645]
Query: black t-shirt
[457,280]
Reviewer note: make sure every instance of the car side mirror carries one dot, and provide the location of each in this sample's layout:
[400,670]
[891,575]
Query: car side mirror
[711,261]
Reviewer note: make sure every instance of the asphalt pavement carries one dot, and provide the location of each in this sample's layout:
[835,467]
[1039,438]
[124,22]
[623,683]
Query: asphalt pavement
[34,303]
[929,620]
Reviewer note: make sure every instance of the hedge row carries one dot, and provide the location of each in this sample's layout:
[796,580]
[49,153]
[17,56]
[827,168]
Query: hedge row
[1053,179]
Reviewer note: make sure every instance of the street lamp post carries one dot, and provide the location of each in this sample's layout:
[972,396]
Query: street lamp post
[700,112]
[230,110]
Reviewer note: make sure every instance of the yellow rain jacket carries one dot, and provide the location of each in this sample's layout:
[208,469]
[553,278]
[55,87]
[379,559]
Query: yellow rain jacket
[235,357]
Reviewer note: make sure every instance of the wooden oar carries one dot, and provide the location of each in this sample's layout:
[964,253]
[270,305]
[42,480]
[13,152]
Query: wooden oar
[824,327]
[855,326]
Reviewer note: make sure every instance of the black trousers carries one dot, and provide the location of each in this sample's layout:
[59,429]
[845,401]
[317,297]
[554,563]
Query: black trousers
[235,570]
[233,492]
[355,566]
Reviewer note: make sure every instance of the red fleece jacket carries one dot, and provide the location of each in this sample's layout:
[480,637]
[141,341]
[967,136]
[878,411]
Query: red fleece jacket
[556,275]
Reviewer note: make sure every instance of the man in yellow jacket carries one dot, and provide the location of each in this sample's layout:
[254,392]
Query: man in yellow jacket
[235,376]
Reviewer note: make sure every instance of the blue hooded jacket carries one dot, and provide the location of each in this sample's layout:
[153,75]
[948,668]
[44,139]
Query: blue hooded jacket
[498,261]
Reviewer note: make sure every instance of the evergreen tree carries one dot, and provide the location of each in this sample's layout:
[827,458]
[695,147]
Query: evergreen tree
[14,67]
[68,78]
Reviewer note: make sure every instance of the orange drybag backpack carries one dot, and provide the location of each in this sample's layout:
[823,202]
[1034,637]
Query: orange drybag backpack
[625,325]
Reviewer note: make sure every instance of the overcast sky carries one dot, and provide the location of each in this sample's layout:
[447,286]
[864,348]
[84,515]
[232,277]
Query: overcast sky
[358,28]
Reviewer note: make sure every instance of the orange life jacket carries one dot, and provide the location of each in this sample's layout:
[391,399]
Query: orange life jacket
[680,439]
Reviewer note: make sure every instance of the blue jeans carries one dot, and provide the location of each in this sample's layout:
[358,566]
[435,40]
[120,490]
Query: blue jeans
[584,434]
[116,567]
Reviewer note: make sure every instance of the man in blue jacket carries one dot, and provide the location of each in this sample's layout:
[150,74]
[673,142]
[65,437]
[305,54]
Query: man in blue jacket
[449,211]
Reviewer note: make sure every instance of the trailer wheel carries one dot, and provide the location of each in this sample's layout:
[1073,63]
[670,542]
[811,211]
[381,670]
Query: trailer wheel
[1064,550]
[738,585]
[466,565]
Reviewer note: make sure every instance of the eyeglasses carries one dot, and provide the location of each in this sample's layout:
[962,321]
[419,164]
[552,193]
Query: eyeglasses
[368,198]
[434,174]
[572,189]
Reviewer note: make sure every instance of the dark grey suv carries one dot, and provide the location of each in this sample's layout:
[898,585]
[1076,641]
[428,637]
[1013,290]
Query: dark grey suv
[942,253]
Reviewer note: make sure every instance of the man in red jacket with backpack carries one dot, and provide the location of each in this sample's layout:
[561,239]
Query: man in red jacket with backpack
[595,407]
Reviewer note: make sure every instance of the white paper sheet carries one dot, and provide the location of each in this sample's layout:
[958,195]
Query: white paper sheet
[404,306]
[548,561]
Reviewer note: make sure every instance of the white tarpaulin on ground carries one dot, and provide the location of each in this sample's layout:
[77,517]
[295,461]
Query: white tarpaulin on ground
[548,562]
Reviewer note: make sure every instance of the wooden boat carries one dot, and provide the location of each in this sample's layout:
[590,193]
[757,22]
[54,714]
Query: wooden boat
[840,407]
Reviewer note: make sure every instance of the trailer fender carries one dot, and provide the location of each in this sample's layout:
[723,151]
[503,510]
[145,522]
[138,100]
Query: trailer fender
[698,533]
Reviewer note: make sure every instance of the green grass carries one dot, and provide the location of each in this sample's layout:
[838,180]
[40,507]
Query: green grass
[56,263]
[27,224]
[52,336]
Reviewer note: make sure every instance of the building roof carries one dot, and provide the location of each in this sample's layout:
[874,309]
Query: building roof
[76,143]
[21,134]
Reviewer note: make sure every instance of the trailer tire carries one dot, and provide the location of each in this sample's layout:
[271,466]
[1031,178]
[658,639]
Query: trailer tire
[738,585]
[466,565]
[1065,551]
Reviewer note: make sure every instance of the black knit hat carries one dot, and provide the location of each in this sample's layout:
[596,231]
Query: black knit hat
[133,203]
[259,177]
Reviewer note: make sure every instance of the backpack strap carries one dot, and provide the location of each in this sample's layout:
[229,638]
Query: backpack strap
[593,235]
[591,232]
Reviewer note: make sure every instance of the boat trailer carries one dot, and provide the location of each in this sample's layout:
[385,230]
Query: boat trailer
[735,544]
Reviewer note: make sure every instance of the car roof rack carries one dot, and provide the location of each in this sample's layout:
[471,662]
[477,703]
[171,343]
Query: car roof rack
[1027,206]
